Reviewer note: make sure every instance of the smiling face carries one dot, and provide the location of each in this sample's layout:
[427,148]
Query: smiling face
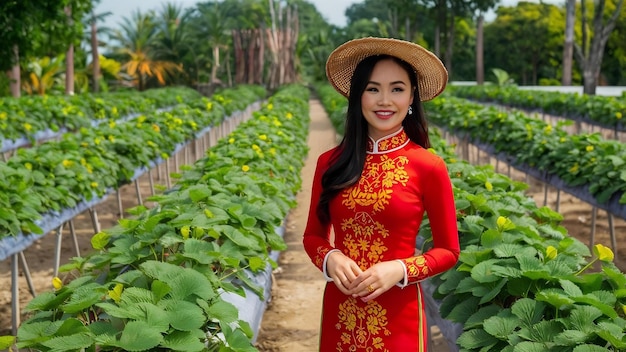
[386,98]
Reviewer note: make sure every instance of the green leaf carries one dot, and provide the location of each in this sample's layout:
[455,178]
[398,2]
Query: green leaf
[554,297]
[502,325]
[223,311]
[607,309]
[84,297]
[571,338]
[199,192]
[139,336]
[482,272]
[546,331]
[509,250]
[613,334]
[491,238]
[159,290]
[529,311]
[570,288]
[463,310]
[69,342]
[478,318]
[183,315]
[183,341]
[256,263]
[475,338]
[6,342]
[184,282]
[495,291]
[200,251]
[528,346]
[100,240]
[589,348]
[132,295]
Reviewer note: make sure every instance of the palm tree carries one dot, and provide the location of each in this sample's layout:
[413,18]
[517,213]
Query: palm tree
[213,29]
[94,31]
[136,46]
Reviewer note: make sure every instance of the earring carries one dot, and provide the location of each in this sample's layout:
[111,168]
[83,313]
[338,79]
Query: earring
[410,110]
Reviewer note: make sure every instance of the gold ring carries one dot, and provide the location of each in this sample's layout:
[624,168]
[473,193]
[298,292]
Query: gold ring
[370,288]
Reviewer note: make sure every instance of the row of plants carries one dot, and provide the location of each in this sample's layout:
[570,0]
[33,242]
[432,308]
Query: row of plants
[522,283]
[28,116]
[586,161]
[605,111]
[155,281]
[56,175]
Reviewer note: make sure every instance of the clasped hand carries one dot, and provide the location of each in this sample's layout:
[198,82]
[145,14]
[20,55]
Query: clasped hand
[368,284]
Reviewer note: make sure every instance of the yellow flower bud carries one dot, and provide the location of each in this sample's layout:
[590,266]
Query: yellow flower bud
[504,223]
[603,253]
[245,168]
[57,283]
[185,231]
[116,293]
[551,253]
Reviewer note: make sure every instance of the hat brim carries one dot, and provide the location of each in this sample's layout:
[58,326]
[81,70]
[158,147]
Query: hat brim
[432,75]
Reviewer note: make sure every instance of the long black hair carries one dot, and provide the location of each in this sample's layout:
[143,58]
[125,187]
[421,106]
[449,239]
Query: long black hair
[347,163]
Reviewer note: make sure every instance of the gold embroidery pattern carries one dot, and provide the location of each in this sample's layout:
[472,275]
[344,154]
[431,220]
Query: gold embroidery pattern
[362,328]
[321,254]
[374,187]
[363,239]
[388,143]
[416,268]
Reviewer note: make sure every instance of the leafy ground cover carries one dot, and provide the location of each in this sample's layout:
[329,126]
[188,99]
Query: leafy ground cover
[159,274]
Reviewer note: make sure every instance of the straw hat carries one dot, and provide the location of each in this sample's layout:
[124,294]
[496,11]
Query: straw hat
[432,76]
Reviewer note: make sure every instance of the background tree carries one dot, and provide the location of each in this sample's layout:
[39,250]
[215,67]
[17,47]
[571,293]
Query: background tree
[478,8]
[211,28]
[568,45]
[526,41]
[136,49]
[94,32]
[37,28]
[591,50]
[614,61]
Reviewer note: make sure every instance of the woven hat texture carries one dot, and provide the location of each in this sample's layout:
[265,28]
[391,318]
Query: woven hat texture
[432,75]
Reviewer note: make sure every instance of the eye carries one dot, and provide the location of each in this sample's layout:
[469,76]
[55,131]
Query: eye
[397,89]
[371,89]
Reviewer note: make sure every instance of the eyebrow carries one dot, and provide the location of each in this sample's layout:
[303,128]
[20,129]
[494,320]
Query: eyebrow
[392,83]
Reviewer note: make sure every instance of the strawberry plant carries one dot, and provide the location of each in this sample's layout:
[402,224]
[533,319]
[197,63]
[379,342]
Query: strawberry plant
[96,160]
[155,281]
[608,112]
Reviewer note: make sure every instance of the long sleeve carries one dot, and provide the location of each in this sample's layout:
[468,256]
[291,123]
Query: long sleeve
[438,200]
[316,237]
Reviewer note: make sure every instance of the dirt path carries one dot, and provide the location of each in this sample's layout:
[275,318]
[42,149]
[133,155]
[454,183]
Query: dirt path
[291,321]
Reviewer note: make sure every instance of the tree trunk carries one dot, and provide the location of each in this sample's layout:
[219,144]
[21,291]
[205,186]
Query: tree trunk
[95,56]
[407,29]
[568,45]
[450,42]
[69,71]
[216,63]
[69,61]
[591,57]
[14,74]
[480,63]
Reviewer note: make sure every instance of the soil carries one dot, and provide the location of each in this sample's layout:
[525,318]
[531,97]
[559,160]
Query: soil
[291,321]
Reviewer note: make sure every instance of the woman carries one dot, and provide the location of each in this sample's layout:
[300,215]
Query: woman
[372,191]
